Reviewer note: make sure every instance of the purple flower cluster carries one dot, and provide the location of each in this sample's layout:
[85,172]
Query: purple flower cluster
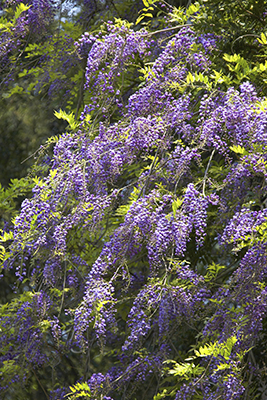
[242,225]
[84,44]
[98,308]
[107,61]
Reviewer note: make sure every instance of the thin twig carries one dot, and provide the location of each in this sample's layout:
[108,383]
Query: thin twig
[64,284]
[165,30]
[46,395]
[206,172]
[241,37]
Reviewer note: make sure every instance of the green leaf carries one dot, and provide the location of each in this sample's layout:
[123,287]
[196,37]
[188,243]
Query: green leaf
[217,349]
[181,369]
[139,19]
[217,76]
[38,181]
[161,395]
[239,150]
[6,236]
[6,26]
[44,325]
[190,78]
[175,205]
[192,9]
[263,39]
[148,15]
[15,90]
[53,173]
[261,106]
[20,9]
[80,390]
[212,271]
[185,370]
[70,118]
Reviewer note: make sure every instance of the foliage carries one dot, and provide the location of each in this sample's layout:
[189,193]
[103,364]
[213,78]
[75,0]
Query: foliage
[138,264]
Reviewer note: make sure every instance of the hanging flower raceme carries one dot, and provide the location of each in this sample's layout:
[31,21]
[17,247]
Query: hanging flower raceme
[107,63]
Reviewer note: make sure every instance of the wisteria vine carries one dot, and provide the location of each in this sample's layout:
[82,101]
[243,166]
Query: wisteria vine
[143,247]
